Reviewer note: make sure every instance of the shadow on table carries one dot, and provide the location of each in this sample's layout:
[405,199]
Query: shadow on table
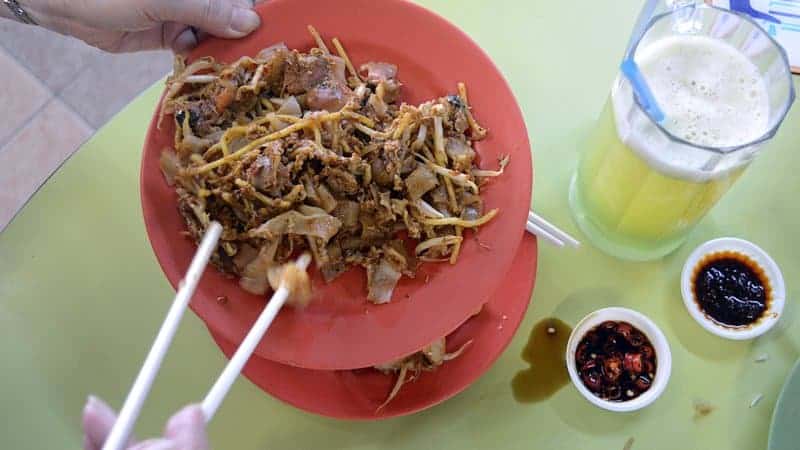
[581,415]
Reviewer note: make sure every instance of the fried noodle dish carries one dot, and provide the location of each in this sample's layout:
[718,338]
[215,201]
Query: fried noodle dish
[295,151]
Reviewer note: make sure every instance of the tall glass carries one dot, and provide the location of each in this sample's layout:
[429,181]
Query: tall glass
[641,186]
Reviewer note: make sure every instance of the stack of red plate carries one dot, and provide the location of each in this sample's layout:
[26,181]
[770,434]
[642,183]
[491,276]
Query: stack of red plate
[319,358]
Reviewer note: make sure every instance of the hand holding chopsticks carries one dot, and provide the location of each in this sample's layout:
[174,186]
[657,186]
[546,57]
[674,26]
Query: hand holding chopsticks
[121,430]
[120,433]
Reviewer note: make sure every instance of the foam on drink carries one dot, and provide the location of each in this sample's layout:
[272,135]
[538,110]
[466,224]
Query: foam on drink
[712,95]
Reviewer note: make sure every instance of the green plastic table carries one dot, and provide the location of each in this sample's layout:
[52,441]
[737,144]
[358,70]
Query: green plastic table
[81,294]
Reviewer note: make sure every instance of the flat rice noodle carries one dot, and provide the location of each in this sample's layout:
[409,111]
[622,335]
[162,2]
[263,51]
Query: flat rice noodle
[326,199]
[335,265]
[269,52]
[428,210]
[381,281]
[378,105]
[420,181]
[170,165]
[439,198]
[319,224]
[254,278]
[435,352]
[347,211]
[246,254]
[290,107]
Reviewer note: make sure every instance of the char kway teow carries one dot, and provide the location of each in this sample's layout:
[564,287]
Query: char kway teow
[295,151]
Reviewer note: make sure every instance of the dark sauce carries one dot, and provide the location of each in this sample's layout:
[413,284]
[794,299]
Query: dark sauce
[545,353]
[731,289]
[616,361]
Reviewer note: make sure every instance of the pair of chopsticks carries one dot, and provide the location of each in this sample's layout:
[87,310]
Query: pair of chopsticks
[540,227]
[121,431]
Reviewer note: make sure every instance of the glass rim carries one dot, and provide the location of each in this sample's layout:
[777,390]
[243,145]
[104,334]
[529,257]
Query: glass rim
[770,133]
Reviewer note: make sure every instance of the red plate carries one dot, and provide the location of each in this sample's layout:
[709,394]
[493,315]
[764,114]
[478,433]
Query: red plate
[341,330]
[356,394]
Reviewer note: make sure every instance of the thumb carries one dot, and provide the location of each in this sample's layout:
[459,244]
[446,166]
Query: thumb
[222,18]
[187,429]
[98,419]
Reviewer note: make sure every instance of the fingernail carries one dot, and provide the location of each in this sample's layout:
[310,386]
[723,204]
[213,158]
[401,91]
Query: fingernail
[185,41]
[91,401]
[244,20]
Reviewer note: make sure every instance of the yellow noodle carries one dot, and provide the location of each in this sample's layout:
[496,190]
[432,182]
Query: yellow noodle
[343,55]
[461,222]
[318,39]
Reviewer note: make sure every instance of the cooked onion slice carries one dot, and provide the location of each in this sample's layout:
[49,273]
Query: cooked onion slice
[440,241]
[492,173]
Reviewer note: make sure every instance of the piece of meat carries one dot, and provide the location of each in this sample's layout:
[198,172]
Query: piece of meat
[340,181]
[338,69]
[202,116]
[275,60]
[304,72]
[319,78]
[328,96]
[225,95]
[379,71]
[268,173]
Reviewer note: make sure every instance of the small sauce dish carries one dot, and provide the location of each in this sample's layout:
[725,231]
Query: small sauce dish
[733,288]
[657,366]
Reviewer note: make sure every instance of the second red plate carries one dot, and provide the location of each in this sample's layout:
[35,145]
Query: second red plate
[356,394]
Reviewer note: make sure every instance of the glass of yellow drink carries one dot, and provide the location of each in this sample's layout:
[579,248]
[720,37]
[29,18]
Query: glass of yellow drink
[725,87]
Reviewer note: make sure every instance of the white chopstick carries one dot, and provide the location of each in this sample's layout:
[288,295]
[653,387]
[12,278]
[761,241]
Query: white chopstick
[537,231]
[225,381]
[542,228]
[121,431]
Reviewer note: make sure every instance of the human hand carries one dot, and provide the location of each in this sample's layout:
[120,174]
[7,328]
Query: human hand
[186,430]
[133,25]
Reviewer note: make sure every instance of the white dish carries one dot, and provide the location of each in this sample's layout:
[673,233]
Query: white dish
[646,326]
[760,257]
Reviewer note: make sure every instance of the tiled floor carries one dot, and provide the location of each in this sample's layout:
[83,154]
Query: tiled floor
[56,91]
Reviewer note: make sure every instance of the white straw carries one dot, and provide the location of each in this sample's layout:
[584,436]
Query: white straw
[225,381]
[543,224]
[121,431]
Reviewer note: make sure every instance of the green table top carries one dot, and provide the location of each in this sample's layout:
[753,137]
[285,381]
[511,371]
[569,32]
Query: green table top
[81,294]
